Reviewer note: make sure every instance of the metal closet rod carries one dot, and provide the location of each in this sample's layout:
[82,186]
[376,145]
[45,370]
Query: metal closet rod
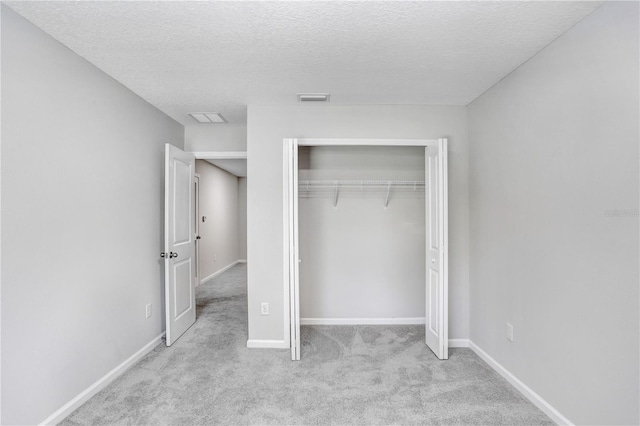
[338,184]
[359,183]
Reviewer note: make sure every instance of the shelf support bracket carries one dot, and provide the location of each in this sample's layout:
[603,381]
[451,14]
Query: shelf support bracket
[386,200]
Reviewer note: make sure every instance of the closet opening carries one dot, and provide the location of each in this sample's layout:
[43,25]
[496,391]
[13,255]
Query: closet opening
[366,225]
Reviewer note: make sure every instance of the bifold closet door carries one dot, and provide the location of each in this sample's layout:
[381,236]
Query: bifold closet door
[436,298]
[294,251]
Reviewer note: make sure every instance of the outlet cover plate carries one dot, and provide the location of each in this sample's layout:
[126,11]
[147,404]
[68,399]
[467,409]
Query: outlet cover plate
[264,308]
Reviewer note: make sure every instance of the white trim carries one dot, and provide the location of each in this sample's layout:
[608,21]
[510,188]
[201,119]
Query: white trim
[241,261]
[102,383]
[218,272]
[267,344]
[196,231]
[294,249]
[219,155]
[525,390]
[458,343]
[367,142]
[362,321]
[291,319]
[0,234]
[287,321]
[443,229]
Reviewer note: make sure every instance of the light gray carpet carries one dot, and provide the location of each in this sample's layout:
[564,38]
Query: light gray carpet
[348,375]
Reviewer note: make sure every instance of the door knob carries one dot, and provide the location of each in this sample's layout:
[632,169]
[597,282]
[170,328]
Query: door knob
[198,237]
[172,255]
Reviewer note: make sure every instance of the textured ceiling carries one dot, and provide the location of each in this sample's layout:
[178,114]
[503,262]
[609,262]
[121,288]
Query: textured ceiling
[222,56]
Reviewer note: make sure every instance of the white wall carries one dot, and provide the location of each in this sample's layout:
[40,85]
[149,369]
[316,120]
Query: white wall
[269,125]
[554,147]
[219,233]
[242,218]
[362,260]
[215,137]
[82,209]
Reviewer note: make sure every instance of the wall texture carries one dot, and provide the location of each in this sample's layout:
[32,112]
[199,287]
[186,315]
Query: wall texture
[269,125]
[554,155]
[215,137]
[219,204]
[361,259]
[242,218]
[81,225]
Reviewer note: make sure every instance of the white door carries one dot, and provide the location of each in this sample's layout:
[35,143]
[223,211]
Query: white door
[436,327]
[179,247]
[294,258]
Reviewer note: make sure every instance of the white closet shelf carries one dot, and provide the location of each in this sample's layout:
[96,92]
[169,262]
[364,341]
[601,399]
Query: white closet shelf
[337,185]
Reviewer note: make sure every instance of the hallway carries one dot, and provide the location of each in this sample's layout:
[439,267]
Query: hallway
[348,375]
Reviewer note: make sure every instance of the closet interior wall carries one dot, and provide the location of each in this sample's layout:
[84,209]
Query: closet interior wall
[361,261]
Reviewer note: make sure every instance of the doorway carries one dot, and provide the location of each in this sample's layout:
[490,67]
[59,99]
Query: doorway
[220,208]
[187,198]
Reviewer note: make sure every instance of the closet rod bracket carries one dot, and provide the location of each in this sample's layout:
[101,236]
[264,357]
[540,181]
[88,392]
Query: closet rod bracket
[386,200]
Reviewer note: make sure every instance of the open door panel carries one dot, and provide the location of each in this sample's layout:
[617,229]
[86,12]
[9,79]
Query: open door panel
[436,290]
[179,246]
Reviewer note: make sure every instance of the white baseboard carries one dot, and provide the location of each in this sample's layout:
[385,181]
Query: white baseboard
[241,261]
[361,321]
[218,272]
[525,390]
[458,343]
[85,395]
[267,344]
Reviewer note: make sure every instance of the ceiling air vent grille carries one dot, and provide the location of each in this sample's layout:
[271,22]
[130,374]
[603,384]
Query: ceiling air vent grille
[313,97]
[208,117]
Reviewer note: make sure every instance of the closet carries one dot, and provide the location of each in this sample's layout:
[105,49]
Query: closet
[361,224]
[366,228]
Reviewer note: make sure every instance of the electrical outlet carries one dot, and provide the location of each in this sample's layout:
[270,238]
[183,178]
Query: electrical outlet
[264,308]
[509,332]
[148,310]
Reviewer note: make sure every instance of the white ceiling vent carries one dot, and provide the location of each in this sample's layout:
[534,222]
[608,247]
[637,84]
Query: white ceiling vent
[208,117]
[313,97]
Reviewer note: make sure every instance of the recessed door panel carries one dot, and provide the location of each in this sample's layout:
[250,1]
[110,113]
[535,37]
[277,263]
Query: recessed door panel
[183,291]
[433,323]
[182,178]
[433,213]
